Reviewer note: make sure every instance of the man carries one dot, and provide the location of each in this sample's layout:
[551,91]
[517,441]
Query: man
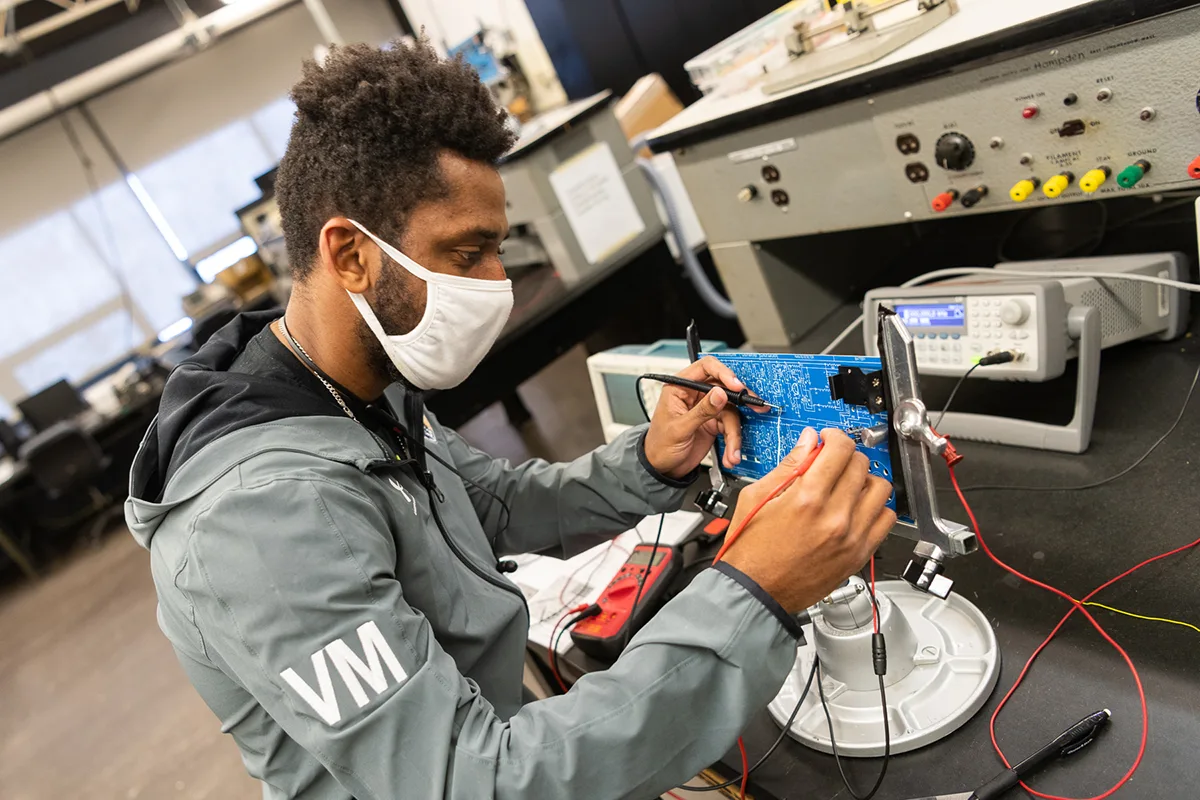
[327,562]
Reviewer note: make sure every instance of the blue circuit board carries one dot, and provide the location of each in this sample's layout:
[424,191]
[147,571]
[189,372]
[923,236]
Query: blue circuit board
[799,384]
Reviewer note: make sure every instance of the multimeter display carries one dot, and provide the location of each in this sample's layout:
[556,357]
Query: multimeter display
[641,558]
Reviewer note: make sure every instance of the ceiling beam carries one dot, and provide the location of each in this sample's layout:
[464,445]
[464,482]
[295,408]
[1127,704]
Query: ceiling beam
[77,11]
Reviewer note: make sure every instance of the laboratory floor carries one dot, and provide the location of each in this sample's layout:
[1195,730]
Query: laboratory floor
[92,701]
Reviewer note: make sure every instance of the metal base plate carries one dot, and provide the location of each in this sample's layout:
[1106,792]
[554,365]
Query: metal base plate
[956,666]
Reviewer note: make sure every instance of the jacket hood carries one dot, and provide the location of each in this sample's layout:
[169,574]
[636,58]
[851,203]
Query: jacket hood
[204,401]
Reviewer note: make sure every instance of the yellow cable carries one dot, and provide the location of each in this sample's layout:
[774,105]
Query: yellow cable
[1141,616]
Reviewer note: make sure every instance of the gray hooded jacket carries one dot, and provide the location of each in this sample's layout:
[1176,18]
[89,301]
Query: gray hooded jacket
[355,648]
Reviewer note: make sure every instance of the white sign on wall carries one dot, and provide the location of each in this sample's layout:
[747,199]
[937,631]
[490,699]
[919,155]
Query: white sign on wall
[596,202]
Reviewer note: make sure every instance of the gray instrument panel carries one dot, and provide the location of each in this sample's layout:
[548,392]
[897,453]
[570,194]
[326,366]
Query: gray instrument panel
[1103,101]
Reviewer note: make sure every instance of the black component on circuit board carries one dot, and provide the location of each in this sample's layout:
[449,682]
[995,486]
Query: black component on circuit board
[857,388]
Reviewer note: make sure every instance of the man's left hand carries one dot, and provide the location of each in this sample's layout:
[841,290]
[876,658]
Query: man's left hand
[686,422]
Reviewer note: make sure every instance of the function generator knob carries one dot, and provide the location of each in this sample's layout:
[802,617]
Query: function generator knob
[954,151]
[1014,312]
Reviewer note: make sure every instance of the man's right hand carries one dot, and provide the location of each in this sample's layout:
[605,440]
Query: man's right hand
[820,530]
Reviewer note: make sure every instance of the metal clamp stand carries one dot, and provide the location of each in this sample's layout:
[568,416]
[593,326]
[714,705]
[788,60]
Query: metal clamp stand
[943,657]
[937,538]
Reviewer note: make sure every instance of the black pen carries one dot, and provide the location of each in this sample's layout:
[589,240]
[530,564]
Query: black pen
[742,398]
[1072,740]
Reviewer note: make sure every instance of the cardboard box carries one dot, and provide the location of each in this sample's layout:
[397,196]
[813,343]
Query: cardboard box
[648,104]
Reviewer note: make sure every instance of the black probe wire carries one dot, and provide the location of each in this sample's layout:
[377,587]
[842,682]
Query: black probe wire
[503,505]
[637,389]
[795,712]
[770,750]
[887,734]
[961,380]
[1103,481]
[590,611]
[642,581]
[1002,357]
[887,740]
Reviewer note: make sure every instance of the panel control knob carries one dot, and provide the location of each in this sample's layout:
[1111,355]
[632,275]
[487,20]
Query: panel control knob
[747,193]
[1014,312]
[954,151]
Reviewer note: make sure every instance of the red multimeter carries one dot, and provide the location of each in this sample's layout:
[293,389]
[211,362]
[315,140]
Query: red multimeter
[604,635]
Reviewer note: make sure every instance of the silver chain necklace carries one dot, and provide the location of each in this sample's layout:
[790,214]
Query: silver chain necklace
[336,394]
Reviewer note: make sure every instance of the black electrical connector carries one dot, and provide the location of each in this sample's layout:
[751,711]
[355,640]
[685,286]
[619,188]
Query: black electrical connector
[879,653]
[1003,357]
[972,197]
[857,388]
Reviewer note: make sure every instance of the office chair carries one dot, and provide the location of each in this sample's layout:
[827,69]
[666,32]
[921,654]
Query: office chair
[66,460]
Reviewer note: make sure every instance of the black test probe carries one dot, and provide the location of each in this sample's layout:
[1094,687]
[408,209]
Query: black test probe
[742,398]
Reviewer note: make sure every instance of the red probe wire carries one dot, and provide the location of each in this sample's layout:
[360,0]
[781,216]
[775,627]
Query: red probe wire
[741,526]
[745,768]
[1076,605]
[874,603]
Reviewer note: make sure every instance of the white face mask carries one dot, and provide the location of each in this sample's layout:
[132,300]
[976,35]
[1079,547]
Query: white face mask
[463,318]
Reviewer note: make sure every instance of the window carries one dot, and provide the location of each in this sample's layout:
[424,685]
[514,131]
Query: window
[62,314]
[155,278]
[52,275]
[199,187]
[62,268]
[81,354]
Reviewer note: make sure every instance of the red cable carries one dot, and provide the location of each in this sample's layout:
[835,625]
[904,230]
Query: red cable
[745,768]
[874,606]
[1076,605]
[674,796]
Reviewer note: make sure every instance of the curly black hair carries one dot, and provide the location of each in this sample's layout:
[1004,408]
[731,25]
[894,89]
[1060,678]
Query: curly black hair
[369,126]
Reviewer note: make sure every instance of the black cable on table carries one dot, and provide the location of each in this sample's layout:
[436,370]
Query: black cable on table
[887,739]
[770,750]
[961,380]
[591,611]
[1103,481]
[642,581]
[999,357]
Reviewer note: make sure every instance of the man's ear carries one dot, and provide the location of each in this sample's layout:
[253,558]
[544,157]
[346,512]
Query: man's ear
[347,254]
